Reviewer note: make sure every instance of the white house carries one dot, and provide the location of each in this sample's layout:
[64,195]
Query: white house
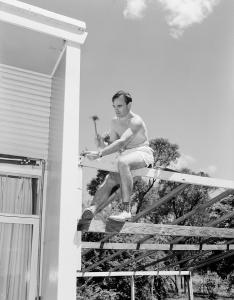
[40,180]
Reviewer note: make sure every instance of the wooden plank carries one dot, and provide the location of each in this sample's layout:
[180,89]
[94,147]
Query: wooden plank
[132,273]
[196,209]
[159,173]
[159,229]
[177,240]
[161,201]
[159,247]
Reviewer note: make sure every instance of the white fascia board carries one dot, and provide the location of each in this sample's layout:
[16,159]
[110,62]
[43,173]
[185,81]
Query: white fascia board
[133,273]
[41,20]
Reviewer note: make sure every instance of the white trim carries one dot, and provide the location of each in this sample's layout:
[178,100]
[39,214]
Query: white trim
[34,261]
[44,198]
[34,221]
[161,174]
[40,20]
[18,219]
[37,12]
[21,171]
[133,273]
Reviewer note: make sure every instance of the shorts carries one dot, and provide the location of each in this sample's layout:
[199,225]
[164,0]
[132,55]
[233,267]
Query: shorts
[144,152]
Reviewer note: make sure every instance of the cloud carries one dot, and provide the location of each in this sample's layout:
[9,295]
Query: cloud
[211,169]
[184,161]
[135,9]
[181,14]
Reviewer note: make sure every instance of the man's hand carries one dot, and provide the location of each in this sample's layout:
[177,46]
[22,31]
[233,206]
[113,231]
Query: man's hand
[92,155]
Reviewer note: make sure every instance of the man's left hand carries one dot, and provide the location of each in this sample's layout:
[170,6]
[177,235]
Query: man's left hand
[92,155]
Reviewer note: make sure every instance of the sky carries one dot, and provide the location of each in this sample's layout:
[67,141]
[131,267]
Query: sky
[176,59]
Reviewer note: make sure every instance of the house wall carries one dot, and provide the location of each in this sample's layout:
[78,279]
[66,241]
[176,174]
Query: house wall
[24,112]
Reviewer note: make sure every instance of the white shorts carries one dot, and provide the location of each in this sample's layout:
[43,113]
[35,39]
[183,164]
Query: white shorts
[144,152]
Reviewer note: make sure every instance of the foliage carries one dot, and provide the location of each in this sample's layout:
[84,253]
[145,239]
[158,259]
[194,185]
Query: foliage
[145,193]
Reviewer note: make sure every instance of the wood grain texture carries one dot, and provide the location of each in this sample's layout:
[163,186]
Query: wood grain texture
[145,228]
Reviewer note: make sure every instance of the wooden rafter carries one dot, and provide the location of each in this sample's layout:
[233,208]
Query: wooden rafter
[158,247]
[180,239]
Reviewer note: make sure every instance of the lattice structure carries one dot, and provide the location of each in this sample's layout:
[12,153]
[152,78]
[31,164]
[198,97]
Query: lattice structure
[149,230]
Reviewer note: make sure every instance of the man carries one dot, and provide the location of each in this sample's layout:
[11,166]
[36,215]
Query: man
[129,139]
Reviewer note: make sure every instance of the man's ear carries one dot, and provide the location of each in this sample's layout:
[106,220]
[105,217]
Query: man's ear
[129,105]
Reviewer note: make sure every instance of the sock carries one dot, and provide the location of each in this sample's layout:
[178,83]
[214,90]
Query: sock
[126,206]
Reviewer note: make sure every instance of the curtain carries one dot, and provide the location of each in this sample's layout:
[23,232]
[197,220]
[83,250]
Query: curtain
[15,239]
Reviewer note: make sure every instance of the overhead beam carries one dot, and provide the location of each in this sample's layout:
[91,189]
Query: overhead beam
[133,273]
[41,20]
[160,173]
[159,247]
[159,229]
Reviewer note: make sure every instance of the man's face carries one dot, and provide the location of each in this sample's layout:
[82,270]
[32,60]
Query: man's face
[120,107]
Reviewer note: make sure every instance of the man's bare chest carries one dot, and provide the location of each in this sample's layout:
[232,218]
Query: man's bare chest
[120,128]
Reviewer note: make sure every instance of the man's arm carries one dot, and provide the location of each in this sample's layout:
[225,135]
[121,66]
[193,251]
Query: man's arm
[125,138]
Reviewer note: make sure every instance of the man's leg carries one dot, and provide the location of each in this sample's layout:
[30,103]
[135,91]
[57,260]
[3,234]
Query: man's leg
[101,195]
[126,163]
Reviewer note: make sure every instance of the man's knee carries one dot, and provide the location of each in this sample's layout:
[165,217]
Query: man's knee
[111,179]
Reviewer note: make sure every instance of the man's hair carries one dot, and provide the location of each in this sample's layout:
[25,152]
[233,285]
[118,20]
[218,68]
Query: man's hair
[127,96]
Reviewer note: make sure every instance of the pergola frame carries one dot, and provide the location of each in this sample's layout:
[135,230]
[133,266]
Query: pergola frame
[226,189]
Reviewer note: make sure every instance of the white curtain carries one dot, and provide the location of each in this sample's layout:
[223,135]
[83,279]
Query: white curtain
[15,239]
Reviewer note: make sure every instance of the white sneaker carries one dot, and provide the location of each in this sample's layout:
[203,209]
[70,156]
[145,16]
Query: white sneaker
[121,217]
[89,212]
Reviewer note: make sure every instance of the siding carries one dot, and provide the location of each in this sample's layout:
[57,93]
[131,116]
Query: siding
[24,112]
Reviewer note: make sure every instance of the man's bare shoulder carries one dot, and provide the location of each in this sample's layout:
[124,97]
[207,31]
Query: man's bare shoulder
[136,120]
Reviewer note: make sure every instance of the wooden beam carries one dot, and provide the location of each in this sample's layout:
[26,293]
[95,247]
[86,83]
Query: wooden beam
[41,20]
[132,273]
[159,229]
[105,164]
[159,247]
[210,224]
[161,201]
[195,210]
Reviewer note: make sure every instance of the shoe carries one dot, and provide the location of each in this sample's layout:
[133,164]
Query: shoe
[122,217]
[89,212]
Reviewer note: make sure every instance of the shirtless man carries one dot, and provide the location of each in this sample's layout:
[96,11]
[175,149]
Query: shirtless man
[129,139]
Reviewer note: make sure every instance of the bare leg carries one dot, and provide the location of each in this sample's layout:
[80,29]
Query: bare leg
[102,195]
[126,163]
[105,188]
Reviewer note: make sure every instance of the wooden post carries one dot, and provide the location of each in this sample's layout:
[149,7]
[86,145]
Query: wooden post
[190,287]
[178,284]
[132,288]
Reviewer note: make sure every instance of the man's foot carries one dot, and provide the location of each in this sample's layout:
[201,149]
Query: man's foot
[121,217]
[89,212]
